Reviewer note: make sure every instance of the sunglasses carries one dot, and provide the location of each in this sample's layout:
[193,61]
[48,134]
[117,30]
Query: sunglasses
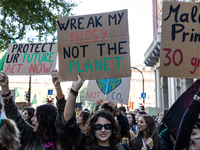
[99,126]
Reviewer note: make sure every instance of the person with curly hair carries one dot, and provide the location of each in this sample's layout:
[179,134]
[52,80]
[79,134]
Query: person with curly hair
[46,132]
[9,135]
[28,113]
[144,140]
[112,108]
[101,131]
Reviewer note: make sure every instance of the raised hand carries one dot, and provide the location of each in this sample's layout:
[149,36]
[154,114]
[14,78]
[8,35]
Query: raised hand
[4,82]
[55,76]
[56,83]
[97,104]
[76,85]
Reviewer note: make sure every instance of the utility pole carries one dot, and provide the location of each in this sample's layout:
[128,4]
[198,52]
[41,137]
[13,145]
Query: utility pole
[29,89]
[142,81]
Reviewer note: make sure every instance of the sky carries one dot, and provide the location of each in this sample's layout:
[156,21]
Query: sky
[139,20]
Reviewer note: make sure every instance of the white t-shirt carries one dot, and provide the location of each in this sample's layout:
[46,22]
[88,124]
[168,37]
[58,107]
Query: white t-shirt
[3,116]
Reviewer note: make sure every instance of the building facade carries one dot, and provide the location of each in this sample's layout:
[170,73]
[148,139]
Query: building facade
[167,89]
[136,87]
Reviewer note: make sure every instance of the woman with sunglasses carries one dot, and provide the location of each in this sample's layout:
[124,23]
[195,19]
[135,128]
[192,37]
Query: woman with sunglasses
[101,131]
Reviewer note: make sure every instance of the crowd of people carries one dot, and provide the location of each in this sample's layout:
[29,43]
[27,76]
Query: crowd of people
[107,127]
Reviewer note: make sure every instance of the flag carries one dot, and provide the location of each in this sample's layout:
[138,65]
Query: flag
[173,117]
[34,101]
[16,93]
[130,108]
[2,60]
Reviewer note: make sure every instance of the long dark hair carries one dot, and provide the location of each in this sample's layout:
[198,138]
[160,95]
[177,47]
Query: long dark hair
[46,115]
[133,118]
[149,130]
[30,111]
[91,139]
[85,115]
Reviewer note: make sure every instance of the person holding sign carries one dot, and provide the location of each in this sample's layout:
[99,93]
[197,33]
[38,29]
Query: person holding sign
[146,138]
[46,132]
[101,131]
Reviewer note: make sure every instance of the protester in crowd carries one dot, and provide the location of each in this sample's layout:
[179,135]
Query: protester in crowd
[44,134]
[28,113]
[112,108]
[82,118]
[135,127]
[164,132]
[144,140]
[128,137]
[188,136]
[101,131]
[123,110]
[131,120]
[135,111]
[9,135]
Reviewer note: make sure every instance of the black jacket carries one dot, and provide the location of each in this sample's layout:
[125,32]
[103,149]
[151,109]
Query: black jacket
[161,145]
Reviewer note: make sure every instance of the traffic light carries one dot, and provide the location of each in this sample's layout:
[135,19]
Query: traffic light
[50,100]
[142,106]
[27,95]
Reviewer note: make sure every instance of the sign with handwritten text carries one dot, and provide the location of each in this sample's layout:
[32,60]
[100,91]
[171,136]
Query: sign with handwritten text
[112,89]
[180,40]
[30,58]
[97,46]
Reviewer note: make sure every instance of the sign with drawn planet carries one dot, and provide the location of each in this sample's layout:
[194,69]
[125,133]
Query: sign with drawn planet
[112,89]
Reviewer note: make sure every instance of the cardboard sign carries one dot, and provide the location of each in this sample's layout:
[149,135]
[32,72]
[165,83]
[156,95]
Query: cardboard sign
[113,89]
[97,46]
[180,40]
[30,58]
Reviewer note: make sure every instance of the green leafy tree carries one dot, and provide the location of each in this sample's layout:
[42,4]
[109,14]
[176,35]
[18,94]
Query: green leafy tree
[19,16]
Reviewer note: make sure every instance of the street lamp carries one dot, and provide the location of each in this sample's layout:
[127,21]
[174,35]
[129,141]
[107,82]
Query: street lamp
[142,80]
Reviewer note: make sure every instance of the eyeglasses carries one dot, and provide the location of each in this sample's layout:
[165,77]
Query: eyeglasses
[99,126]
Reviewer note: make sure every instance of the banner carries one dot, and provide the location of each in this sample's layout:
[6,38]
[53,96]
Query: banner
[30,59]
[173,117]
[97,46]
[113,89]
[180,39]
